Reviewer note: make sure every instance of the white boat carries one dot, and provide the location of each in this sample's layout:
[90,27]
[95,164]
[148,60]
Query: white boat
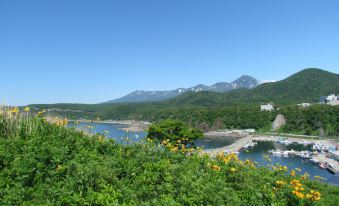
[287,142]
[249,145]
[277,152]
[285,153]
[305,155]
[314,161]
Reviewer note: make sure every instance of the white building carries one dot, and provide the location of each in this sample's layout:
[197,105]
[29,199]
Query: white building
[333,102]
[331,97]
[304,104]
[266,107]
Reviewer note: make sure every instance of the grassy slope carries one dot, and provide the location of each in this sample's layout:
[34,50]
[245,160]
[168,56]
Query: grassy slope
[45,164]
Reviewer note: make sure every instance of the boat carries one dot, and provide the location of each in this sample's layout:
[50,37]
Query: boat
[277,152]
[320,147]
[330,167]
[305,154]
[249,144]
[287,142]
[314,161]
[322,166]
[285,153]
[281,140]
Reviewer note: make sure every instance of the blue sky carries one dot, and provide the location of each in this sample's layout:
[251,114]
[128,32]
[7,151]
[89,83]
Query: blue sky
[93,51]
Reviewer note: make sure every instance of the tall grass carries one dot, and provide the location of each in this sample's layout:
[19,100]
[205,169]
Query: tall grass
[14,122]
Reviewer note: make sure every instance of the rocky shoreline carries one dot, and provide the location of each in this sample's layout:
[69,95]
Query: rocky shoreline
[127,125]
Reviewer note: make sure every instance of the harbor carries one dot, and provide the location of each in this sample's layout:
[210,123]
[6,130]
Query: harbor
[323,153]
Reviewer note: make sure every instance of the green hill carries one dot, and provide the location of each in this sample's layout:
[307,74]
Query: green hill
[305,86]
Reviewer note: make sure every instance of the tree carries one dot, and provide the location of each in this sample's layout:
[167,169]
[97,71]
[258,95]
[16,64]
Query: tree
[175,132]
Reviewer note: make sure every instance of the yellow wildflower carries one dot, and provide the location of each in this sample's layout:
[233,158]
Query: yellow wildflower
[27,109]
[233,169]
[296,183]
[299,194]
[313,195]
[292,173]
[280,182]
[215,167]
[15,110]
[174,149]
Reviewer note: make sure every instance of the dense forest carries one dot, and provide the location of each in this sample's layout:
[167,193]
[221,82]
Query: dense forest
[300,120]
[48,164]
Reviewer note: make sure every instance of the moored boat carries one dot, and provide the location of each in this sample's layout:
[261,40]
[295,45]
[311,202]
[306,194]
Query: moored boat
[322,165]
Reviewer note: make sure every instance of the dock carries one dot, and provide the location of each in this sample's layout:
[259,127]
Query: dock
[321,157]
[235,147]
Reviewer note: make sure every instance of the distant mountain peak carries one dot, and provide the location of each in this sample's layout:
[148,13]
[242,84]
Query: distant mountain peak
[244,81]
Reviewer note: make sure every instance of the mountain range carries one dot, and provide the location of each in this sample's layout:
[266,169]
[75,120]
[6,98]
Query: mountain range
[305,86]
[244,81]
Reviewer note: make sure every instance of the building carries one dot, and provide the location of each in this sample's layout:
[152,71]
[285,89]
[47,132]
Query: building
[331,99]
[266,107]
[333,102]
[304,104]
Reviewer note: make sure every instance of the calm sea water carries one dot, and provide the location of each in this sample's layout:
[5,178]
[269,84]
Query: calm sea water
[110,130]
[115,131]
[256,153]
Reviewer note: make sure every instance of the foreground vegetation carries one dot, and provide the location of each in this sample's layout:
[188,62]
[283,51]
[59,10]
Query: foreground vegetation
[43,163]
